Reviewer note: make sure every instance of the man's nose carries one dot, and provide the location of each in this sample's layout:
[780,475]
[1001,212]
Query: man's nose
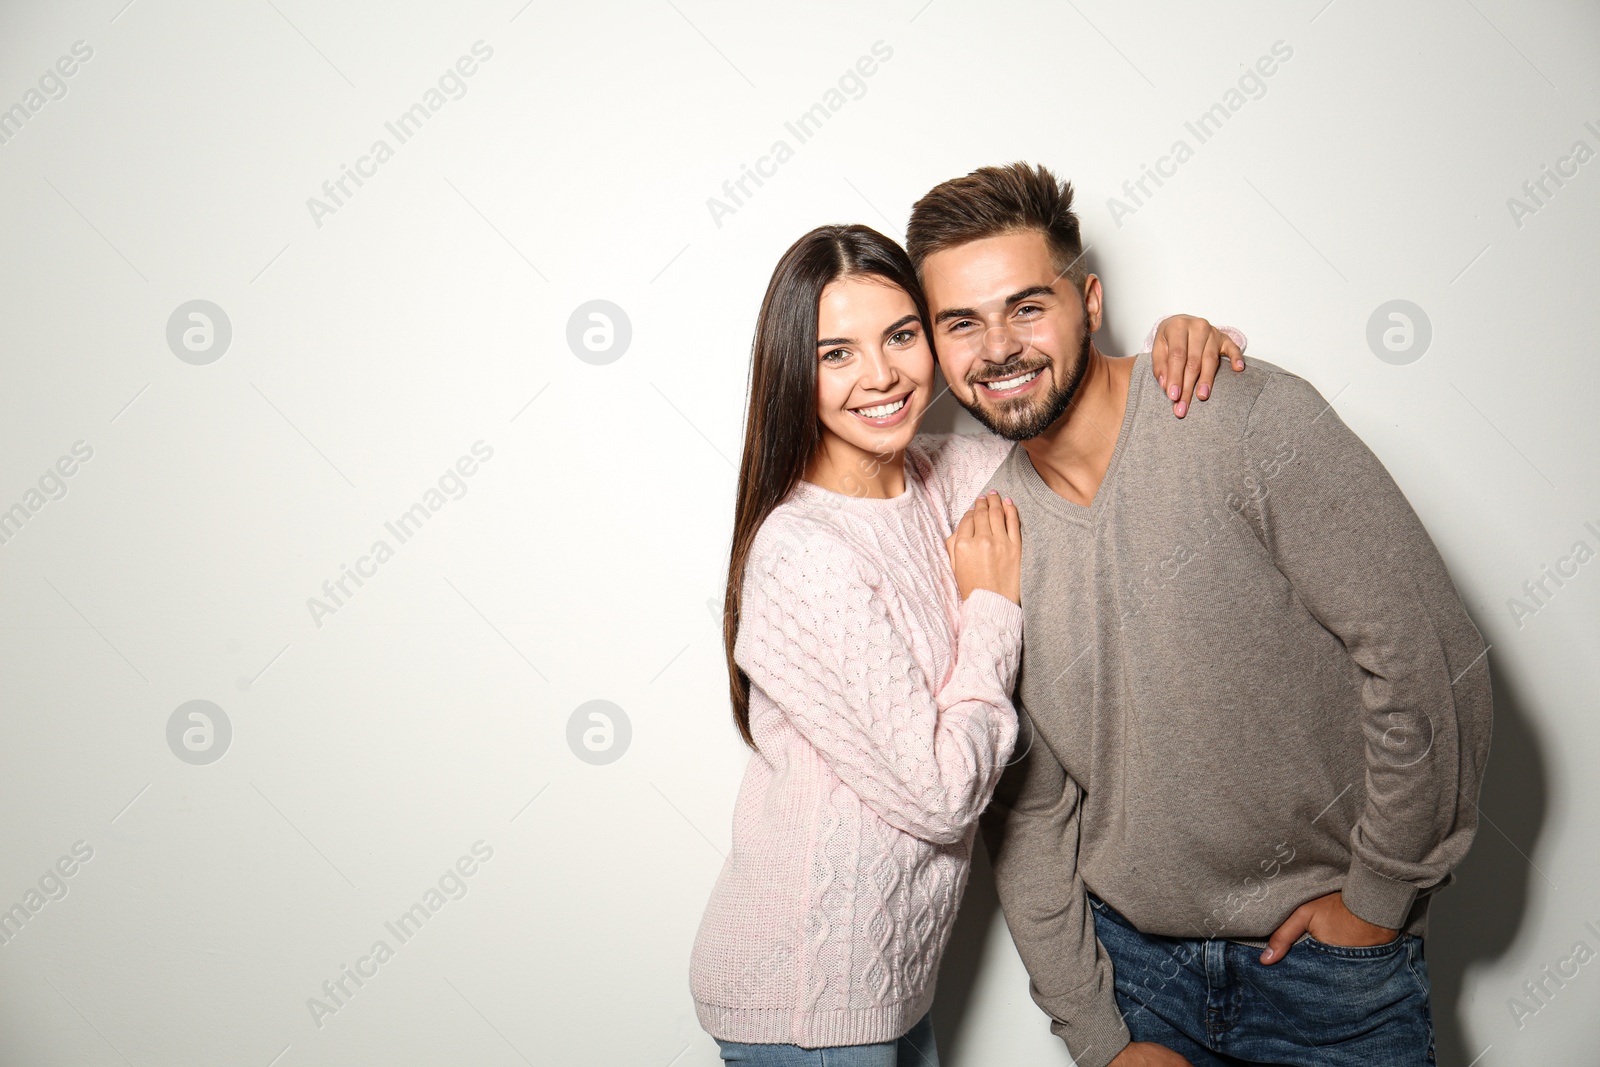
[995,337]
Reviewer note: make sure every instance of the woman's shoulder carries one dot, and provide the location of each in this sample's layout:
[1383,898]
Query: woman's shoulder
[957,465]
[805,538]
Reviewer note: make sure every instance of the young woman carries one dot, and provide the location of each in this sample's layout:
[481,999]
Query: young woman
[872,647]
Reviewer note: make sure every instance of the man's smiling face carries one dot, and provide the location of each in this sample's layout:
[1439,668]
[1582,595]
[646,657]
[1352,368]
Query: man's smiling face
[1010,329]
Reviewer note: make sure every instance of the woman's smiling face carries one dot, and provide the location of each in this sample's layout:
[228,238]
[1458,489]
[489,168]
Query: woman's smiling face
[874,366]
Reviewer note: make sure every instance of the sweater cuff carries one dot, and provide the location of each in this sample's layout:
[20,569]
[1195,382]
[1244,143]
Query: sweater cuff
[994,613]
[1235,335]
[1376,899]
[1097,1034]
[995,609]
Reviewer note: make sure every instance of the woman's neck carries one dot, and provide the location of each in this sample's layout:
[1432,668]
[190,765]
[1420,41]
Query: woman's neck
[844,468]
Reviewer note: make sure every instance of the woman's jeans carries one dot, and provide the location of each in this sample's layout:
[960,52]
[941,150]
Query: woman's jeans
[915,1049]
[1321,1005]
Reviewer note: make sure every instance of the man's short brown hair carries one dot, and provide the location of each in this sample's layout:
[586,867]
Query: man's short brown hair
[992,201]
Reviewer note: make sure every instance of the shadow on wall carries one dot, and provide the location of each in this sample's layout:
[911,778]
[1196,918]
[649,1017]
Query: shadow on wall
[963,957]
[1472,922]
[1475,920]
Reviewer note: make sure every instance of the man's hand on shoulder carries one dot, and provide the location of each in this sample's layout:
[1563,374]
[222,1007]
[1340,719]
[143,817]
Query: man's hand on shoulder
[1148,1054]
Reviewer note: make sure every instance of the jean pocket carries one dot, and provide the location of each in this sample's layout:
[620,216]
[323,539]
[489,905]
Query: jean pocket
[1356,952]
[1105,911]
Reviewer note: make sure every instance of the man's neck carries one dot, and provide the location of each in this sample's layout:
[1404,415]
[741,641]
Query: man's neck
[1073,454]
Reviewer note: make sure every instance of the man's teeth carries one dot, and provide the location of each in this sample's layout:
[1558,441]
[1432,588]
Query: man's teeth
[1012,383]
[882,410]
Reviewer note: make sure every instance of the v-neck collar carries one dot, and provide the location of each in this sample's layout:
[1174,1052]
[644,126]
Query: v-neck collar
[1039,490]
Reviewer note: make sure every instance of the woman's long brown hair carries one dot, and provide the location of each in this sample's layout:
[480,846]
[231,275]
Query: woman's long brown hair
[781,426]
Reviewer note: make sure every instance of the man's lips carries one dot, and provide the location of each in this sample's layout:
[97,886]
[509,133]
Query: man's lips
[1012,383]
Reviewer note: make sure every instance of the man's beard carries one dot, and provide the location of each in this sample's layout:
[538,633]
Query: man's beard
[1026,417]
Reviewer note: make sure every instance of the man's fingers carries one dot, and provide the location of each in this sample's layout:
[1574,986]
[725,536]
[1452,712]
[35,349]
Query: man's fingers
[1286,935]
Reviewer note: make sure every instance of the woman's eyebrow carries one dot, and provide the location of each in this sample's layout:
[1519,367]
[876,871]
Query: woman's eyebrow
[894,327]
[826,341]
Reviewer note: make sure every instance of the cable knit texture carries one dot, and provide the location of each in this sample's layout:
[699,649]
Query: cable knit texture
[880,704]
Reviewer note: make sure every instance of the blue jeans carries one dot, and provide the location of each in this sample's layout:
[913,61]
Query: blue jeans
[1321,1005]
[914,1049]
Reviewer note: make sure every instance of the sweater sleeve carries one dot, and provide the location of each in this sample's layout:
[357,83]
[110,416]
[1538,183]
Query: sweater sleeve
[1030,830]
[1339,528]
[816,635]
[1235,335]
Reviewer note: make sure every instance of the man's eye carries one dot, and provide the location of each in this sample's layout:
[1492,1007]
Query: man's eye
[1028,308]
[960,324]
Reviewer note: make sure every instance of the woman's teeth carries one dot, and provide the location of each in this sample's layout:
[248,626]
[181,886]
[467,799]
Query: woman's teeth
[1012,383]
[882,410]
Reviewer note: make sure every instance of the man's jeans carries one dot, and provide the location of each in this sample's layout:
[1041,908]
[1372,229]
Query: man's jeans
[913,1049]
[1321,1005]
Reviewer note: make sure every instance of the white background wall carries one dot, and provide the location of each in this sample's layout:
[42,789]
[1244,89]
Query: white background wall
[373,346]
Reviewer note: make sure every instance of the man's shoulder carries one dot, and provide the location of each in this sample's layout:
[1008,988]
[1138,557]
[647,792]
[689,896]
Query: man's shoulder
[1239,400]
[1008,476]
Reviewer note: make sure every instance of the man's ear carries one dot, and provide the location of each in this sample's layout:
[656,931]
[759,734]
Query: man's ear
[1092,298]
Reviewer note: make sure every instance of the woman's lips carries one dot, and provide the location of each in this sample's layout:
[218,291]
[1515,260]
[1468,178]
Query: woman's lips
[893,416]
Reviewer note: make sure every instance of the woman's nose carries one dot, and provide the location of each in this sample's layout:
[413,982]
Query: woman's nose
[878,371]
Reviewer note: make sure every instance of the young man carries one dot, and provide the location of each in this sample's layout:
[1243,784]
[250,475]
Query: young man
[1213,859]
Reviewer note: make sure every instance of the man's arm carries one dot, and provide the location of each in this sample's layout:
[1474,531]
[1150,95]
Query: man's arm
[1344,535]
[1031,832]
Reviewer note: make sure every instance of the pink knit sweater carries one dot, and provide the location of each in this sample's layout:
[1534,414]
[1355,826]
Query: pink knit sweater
[881,707]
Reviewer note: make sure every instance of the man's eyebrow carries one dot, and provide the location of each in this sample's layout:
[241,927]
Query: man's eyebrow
[1036,290]
[1014,298]
[955,313]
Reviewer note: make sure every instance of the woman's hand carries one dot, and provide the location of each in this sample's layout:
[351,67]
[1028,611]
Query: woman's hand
[1184,358]
[986,549]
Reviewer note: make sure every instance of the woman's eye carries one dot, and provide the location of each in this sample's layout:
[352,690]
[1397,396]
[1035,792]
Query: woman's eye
[835,356]
[903,337]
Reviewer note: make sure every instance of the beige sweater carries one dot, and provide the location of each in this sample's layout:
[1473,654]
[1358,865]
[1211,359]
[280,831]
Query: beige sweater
[1247,681]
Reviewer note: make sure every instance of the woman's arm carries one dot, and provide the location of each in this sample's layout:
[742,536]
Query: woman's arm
[817,637]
